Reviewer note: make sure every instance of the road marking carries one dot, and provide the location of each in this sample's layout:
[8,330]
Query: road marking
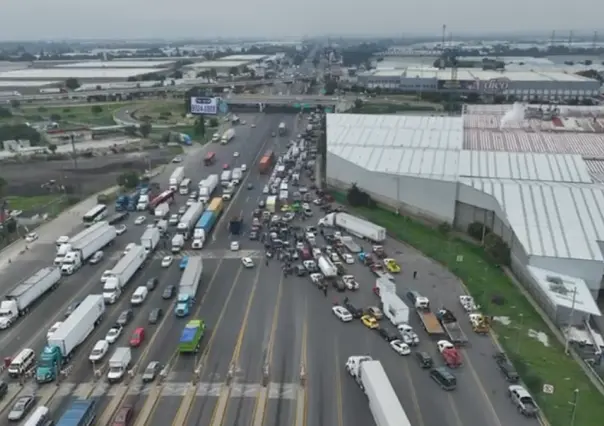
[338,367]
[105,418]
[456,416]
[220,411]
[261,401]
[482,389]
[201,366]
[414,398]
[302,400]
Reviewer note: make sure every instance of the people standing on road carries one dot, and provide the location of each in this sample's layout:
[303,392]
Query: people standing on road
[414,274]
[325,290]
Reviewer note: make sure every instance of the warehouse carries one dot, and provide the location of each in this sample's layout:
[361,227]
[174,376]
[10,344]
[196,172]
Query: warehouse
[547,207]
[96,74]
[117,64]
[247,58]
[518,85]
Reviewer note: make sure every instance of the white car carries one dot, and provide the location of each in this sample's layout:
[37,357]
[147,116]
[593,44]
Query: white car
[400,347]
[113,334]
[334,257]
[236,154]
[243,167]
[140,220]
[166,261]
[305,206]
[234,245]
[350,282]
[348,258]
[253,126]
[342,313]
[31,237]
[317,201]
[53,329]
[265,190]
[119,230]
[96,257]
[316,277]
[247,262]
[106,274]
[99,350]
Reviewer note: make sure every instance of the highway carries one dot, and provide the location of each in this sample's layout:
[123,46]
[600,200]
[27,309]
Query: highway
[262,330]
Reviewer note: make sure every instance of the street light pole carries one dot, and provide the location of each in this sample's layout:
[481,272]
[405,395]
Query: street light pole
[570,321]
[574,403]
[519,331]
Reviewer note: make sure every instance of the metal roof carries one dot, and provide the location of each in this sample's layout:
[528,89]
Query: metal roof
[64,73]
[551,219]
[563,290]
[13,83]
[523,166]
[117,64]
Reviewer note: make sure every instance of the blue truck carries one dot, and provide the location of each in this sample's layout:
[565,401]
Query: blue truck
[80,412]
[121,203]
[188,285]
[202,229]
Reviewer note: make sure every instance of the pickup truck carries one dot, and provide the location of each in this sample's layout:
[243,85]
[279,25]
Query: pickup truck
[451,326]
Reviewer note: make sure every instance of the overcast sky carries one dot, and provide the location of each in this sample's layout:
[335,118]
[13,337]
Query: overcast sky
[59,19]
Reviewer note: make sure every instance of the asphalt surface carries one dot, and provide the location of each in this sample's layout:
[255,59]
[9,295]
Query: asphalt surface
[258,320]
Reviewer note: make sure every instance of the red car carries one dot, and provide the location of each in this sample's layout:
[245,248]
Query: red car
[123,417]
[225,166]
[137,337]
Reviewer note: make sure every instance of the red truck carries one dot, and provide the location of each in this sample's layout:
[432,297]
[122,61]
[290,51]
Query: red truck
[266,162]
[450,354]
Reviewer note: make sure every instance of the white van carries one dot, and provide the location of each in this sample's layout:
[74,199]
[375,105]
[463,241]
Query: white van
[98,352]
[39,417]
[22,362]
[53,329]
[139,296]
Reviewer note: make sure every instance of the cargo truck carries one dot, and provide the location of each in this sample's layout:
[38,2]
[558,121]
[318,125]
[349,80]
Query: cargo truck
[84,249]
[119,363]
[373,381]
[177,243]
[79,412]
[236,224]
[162,210]
[237,176]
[271,203]
[227,136]
[266,162]
[228,191]
[176,178]
[205,224]
[190,339]
[71,333]
[189,220]
[327,268]
[282,129]
[225,178]
[452,328]
[67,243]
[26,293]
[427,317]
[207,187]
[150,239]
[188,285]
[122,273]
[355,226]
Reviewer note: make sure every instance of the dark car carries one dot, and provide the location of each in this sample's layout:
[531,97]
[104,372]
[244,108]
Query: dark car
[155,315]
[152,370]
[123,416]
[506,367]
[3,389]
[125,317]
[444,378]
[168,292]
[354,311]
[253,236]
[72,308]
[152,283]
[339,285]
[424,359]
[386,335]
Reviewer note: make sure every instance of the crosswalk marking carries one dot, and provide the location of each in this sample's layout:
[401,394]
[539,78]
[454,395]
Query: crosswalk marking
[210,254]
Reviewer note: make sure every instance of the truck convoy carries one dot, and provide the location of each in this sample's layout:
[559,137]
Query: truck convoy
[64,244]
[227,136]
[191,336]
[71,333]
[119,363]
[189,220]
[187,288]
[83,249]
[23,296]
[80,412]
[150,239]
[206,222]
[266,162]
[452,328]
[207,187]
[122,273]
[383,402]
[355,226]
[327,268]
[176,178]
[282,129]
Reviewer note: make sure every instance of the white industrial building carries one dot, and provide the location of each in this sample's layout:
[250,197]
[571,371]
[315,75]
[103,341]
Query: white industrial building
[546,206]
[47,74]
[118,64]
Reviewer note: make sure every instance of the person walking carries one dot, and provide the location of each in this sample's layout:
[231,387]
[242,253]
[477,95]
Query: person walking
[414,274]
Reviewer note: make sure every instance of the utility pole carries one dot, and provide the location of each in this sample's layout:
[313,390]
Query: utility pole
[570,39]
[444,36]
[594,44]
[570,321]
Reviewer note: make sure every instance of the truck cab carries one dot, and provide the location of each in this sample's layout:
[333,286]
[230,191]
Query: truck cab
[9,312]
[227,192]
[61,252]
[119,364]
[49,364]
[111,290]
[183,305]
[178,241]
[71,263]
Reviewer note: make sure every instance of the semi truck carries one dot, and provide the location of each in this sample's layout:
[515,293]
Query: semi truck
[189,219]
[66,243]
[237,175]
[162,210]
[451,326]
[122,273]
[82,250]
[119,363]
[177,243]
[355,226]
[150,239]
[327,268]
[266,162]
[176,178]
[79,412]
[202,229]
[188,285]
[282,129]
[236,224]
[373,381]
[71,333]
[207,187]
[26,293]
[190,339]
[227,136]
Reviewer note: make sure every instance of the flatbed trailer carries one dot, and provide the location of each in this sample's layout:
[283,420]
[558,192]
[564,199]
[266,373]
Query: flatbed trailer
[430,322]
[452,328]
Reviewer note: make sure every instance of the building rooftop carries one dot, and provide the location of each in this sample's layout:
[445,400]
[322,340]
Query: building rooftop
[17,84]
[64,73]
[243,57]
[563,290]
[117,64]
[218,64]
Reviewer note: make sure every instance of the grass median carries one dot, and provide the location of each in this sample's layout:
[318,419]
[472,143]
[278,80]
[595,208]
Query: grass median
[524,335]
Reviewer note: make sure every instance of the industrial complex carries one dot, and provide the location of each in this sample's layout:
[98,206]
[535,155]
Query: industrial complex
[532,175]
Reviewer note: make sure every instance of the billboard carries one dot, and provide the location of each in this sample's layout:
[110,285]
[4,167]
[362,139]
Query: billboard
[204,105]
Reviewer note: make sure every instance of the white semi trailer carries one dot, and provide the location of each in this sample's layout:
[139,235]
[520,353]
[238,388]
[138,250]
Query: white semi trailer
[66,246]
[86,247]
[355,226]
[189,219]
[176,178]
[207,188]
[122,272]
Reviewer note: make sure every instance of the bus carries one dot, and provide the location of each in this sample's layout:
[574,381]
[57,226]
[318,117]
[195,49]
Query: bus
[165,197]
[183,188]
[96,214]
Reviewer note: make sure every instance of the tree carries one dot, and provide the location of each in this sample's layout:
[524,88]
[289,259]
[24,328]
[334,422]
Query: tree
[176,74]
[200,127]
[214,122]
[15,104]
[55,117]
[234,71]
[128,179]
[52,147]
[5,113]
[72,83]
[145,129]
[358,103]
[330,86]
[96,109]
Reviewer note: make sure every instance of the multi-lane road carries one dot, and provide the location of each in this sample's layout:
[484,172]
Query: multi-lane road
[263,329]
